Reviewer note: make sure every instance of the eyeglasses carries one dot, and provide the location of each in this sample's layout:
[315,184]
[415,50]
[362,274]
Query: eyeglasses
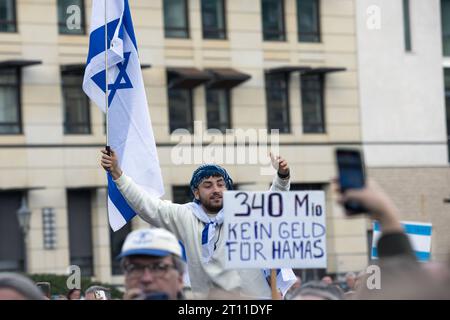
[157,269]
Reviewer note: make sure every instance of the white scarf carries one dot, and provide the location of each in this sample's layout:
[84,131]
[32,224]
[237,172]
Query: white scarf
[285,277]
[209,231]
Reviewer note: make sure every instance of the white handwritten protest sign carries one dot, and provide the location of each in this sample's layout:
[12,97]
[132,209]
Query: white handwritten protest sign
[275,229]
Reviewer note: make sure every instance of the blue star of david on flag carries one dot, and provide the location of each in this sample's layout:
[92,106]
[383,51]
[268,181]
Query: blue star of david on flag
[130,132]
[122,81]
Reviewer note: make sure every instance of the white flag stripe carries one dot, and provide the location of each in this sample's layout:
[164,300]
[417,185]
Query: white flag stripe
[129,124]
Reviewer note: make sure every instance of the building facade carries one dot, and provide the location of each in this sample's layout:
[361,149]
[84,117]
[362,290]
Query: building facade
[226,64]
[403,60]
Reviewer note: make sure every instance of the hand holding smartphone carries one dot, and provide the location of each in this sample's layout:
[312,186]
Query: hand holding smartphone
[351,172]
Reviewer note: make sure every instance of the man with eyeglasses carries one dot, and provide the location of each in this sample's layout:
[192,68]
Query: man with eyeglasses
[152,263]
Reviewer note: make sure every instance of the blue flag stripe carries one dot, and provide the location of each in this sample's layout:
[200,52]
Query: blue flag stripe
[410,228]
[97,37]
[118,200]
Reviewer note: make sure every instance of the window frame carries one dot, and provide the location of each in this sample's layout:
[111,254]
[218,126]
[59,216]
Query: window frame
[319,29]
[178,189]
[447,106]
[445,36]
[283,20]
[288,128]
[186,28]
[321,90]
[406,8]
[83,22]
[18,87]
[225,25]
[191,110]
[228,107]
[87,105]
[11,22]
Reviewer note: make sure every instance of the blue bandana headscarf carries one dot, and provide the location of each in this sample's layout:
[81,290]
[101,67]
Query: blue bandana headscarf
[209,170]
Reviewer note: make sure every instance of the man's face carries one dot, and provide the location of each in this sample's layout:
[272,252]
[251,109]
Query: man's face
[160,276]
[210,193]
[75,295]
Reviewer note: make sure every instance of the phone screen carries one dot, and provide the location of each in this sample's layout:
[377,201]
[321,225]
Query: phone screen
[351,176]
[100,295]
[351,169]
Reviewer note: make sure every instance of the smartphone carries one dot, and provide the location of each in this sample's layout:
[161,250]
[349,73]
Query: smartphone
[45,288]
[351,172]
[100,295]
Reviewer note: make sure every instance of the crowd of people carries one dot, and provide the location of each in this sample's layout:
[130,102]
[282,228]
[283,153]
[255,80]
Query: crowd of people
[154,268]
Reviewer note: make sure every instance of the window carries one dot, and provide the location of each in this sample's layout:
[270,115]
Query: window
[116,241]
[10,117]
[308,20]
[76,105]
[273,20]
[180,110]
[12,251]
[176,23]
[312,103]
[407,25]
[181,194]
[213,19]
[71,17]
[447,104]
[277,99]
[80,230]
[445,17]
[218,109]
[307,187]
[8,16]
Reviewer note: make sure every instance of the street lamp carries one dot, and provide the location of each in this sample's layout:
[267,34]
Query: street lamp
[24,215]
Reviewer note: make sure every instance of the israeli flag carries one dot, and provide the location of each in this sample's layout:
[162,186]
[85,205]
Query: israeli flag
[419,235]
[129,125]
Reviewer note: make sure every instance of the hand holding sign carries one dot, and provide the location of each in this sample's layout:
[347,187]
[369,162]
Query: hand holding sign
[377,202]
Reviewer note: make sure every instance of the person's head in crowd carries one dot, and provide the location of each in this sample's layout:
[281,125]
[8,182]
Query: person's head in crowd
[17,287]
[97,293]
[208,183]
[437,270]
[317,290]
[327,280]
[74,294]
[350,279]
[152,262]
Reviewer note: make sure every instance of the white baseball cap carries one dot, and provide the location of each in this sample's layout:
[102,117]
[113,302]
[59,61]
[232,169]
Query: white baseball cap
[151,242]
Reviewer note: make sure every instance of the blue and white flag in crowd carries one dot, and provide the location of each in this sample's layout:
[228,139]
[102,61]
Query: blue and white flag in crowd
[129,125]
[419,235]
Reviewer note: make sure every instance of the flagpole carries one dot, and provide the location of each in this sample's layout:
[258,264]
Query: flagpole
[108,149]
[273,285]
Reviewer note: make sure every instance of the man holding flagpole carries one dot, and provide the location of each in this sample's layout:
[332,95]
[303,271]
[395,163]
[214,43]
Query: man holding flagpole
[113,80]
[198,225]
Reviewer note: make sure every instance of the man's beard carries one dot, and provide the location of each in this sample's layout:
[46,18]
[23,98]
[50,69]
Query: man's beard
[210,206]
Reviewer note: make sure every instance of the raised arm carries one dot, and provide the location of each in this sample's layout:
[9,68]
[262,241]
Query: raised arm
[157,212]
[281,181]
